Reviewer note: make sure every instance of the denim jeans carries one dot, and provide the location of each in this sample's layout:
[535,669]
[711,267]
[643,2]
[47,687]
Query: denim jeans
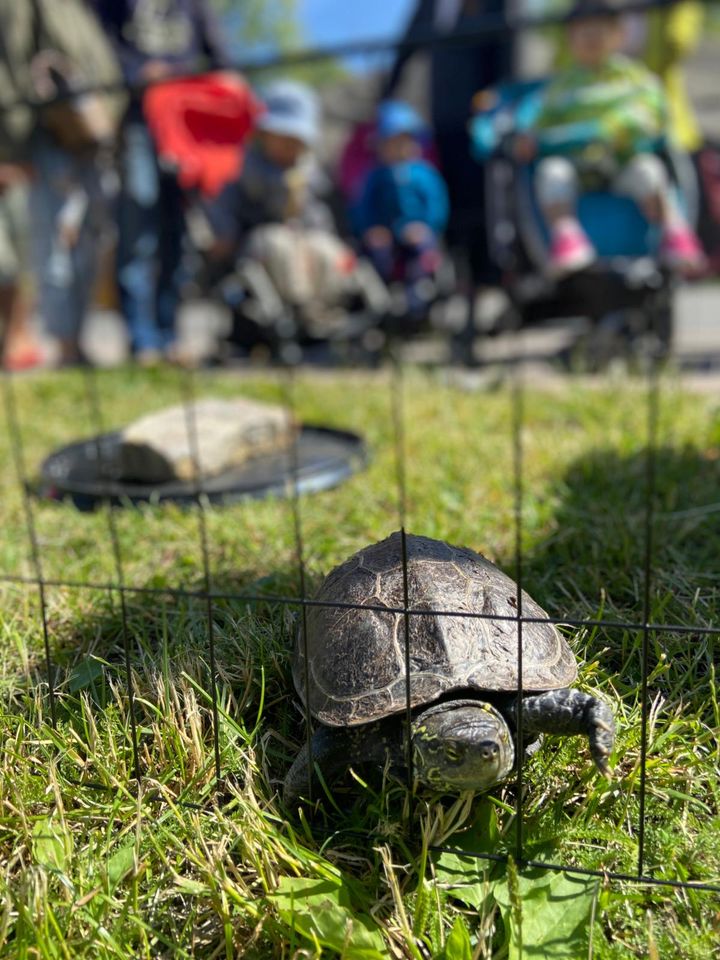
[65,276]
[151,228]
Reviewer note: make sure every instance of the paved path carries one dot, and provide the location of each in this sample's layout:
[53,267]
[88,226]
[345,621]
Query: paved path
[696,344]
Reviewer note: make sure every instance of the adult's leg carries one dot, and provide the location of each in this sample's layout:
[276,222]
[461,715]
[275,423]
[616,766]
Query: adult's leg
[139,236]
[10,296]
[172,230]
[63,273]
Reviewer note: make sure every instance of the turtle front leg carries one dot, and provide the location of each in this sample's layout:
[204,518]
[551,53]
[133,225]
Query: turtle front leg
[329,749]
[569,712]
[333,750]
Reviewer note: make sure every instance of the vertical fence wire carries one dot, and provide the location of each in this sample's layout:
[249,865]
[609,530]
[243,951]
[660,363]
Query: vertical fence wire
[517,398]
[651,440]
[18,455]
[397,403]
[92,396]
[188,392]
[288,389]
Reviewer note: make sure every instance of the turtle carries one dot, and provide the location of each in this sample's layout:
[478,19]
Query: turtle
[349,669]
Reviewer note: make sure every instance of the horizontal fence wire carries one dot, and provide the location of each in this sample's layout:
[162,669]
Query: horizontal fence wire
[487,29]
[181,593]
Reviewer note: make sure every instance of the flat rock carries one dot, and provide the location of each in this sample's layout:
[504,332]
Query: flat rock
[159,447]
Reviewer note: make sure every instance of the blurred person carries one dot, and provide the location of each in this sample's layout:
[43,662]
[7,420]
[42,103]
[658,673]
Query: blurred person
[403,206]
[154,40]
[19,349]
[601,118]
[275,212]
[457,73]
[50,49]
[662,39]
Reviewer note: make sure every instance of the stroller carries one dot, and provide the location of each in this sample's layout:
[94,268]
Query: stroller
[199,125]
[626,295]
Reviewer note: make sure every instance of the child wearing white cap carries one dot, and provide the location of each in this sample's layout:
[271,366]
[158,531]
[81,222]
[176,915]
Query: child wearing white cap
[274,212]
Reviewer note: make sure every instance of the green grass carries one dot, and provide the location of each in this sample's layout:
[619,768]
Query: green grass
[178,870]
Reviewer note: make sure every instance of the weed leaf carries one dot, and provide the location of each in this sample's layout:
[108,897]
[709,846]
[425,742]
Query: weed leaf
[119,865]
[85,674]
[457,945]
[320,911]
[51,844]
[556,910]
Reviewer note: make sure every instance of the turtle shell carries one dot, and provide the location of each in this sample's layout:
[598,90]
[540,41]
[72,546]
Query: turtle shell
[356,658]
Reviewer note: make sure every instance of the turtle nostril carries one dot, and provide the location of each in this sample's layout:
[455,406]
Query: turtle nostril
[489,751]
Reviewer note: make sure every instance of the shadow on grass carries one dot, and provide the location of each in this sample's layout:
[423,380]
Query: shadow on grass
[600,535]
[159,646]
[594,565]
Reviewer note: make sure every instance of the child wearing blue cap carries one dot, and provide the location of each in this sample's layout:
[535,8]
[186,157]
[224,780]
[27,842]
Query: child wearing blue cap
[403,206]
[274,213]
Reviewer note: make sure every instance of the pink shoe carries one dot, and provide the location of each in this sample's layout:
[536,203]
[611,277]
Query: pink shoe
[570,249]
[680,250]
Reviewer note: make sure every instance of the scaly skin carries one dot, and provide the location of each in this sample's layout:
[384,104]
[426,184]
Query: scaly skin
[568,712]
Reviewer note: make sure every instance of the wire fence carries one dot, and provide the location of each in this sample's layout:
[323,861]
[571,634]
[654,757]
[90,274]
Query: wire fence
[208,595]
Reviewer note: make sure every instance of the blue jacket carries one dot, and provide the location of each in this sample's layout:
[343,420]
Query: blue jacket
[394,196]
[183,33]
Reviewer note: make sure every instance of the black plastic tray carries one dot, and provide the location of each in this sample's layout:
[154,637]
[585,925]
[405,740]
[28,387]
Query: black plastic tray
[324,458]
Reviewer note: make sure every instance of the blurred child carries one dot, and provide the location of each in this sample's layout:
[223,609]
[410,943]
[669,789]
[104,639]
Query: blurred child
[403,206]
[274,212]
[602,116]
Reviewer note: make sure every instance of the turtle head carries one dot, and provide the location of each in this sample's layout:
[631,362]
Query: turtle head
[462,745]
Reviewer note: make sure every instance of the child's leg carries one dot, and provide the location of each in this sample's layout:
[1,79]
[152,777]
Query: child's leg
[278,247]
[556,187]
[646,180]
[421,259]
[331,263]
[379,248]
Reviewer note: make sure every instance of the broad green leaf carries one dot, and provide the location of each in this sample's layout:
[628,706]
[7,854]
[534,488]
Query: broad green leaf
[320,911]
[457,945]
[85,674]
[51,844]
[463,877]
[556,910]
[119,865]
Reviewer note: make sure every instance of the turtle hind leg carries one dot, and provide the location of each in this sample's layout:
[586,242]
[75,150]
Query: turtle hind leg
[569,712]
[329,752]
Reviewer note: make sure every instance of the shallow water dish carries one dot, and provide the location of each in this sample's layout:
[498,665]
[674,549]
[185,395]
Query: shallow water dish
[325,458]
